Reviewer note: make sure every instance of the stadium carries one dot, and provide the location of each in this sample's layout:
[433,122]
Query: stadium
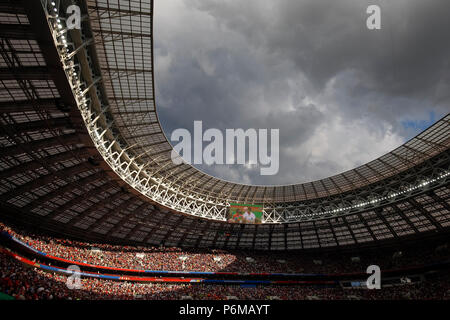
[87,181]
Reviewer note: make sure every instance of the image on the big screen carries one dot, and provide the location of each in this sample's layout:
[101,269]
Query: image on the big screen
[245,213]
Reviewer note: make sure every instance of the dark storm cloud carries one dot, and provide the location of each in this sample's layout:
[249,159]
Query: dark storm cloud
[340,94]
[324,37]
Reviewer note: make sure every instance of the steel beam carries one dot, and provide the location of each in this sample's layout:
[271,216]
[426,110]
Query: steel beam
[43,180]
[31,105]
[17,32]
[64,140]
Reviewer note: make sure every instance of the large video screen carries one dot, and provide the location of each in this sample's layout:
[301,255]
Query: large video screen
[245,213]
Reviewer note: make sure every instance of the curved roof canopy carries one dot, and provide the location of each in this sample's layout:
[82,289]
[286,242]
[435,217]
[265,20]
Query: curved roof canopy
[124,46]
[83,151]
[123,33]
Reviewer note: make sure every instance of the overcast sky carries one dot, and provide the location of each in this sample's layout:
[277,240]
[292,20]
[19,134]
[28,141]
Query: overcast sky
[340,94]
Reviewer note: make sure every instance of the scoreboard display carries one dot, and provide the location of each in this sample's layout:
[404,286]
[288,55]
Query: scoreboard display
[245,213]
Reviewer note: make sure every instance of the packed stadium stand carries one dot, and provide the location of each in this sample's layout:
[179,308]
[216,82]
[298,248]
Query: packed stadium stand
[87,179]
[127,272]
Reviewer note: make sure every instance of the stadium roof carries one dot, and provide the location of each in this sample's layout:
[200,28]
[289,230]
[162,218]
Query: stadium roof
[125,61]
[83,151]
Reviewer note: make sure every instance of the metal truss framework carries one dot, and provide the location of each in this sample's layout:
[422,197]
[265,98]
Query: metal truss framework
[121,119]
[53,129]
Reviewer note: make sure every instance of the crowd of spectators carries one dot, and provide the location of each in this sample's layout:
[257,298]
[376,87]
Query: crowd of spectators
[177,259]
[24,282]
[28,283]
